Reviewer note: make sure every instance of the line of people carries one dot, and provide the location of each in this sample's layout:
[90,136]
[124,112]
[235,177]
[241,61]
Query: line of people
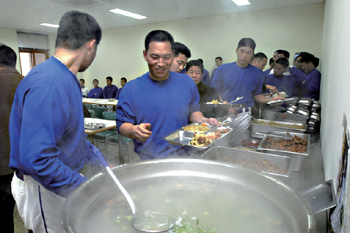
[108,92]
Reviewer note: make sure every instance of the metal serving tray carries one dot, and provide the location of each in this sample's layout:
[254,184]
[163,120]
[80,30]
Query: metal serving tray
[286,117]
[225,105]
[264,126]
[183,138]
[226,154]
[297,156]
[280,102]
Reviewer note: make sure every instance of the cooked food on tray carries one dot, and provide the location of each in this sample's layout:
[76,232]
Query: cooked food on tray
[281,93]
[199,139]
[298,144]
[196,128]
[265,165]
[277,124]
[214,102]
[213,135]
[223,131]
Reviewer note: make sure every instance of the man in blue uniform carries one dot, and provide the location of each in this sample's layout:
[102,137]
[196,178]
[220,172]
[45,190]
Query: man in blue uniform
[218,62]
[109,91]
[259,60]
[48,142]
[123,81]
[159,102]
[182,54]
[280,81]
[96,92]
[84,90]
[206,77]
[311,86]
[241,79]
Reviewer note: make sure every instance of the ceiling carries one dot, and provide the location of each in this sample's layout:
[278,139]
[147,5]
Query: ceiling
[26,15]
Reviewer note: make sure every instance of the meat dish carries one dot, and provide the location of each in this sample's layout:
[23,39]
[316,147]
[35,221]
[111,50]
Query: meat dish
[199,139]
[298,144]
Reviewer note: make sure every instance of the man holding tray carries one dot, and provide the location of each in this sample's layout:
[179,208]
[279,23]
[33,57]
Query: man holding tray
[159,102]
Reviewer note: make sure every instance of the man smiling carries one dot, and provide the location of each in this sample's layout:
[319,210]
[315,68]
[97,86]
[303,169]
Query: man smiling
[159,102]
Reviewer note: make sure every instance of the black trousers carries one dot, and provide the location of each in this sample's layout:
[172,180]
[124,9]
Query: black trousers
[7,204]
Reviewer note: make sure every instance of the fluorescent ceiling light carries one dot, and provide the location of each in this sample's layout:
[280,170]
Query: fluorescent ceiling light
[49,25]
[241,2]
[127,13]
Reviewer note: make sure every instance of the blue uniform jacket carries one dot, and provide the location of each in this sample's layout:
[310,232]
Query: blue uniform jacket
[46,128]
[166,105]
[232,81]
[96,93]
[311,87]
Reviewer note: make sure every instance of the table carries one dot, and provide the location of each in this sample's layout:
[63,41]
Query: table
[110,124]
[100,101]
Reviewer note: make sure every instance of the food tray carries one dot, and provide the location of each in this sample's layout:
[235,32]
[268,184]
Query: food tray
[298,157]
[286,117]
[280,102]
[226,154]
[264,126]
[93,126]
[225,105]
[182,138]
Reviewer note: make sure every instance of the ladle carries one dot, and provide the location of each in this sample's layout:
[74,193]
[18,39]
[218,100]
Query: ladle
[151,222]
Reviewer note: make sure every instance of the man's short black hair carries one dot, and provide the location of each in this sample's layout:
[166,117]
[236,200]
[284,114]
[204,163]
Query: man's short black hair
[194,63]
[110,78]
[159,36]
[271,61]
[181,48]
[77,28]
[82,80]
[95,80]
[307,58]
[283,61]
[200,60]
[260,56]
[8,56]
[247,42]
[220,58]
[123,78]
[284,52]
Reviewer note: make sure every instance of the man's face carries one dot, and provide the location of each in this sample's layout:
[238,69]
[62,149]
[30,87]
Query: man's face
[95,84]
[218,62]
[159,58]
[279,70]
[109,82]
[260,63]
[244,56]
[122,82]
[274,57]
[280,55]
[195,73]
[307,67]
[179,63]
[81,83]
[297,63]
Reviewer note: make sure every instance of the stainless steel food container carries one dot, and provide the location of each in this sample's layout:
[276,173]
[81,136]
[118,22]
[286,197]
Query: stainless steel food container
[286,117]
[264,127]
[268,113]
[298,157]
[227,154]
[305,101]
[184,174]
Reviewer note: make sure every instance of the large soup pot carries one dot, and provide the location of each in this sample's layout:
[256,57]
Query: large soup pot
[213,195]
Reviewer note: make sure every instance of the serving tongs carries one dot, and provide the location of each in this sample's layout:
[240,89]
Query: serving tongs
[285,136]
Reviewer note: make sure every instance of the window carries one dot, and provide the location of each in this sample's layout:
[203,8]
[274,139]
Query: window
[30,58]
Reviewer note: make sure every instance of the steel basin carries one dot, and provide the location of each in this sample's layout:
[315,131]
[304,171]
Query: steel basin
[191,176]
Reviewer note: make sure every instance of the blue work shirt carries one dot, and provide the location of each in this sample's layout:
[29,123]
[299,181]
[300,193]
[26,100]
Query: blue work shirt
[206,78]
[46,128]
[118,93]
[311,86]
[96,93]
[283,83]
[232,81]
[166,105]
[110,92]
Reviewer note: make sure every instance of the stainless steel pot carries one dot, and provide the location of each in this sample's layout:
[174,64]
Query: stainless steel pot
[191,178]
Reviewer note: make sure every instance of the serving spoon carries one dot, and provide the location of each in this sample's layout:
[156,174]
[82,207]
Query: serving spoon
[151,222]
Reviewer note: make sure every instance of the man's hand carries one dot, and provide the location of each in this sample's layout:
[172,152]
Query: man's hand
[277,98]
[272,89]
[142,132]
[213,121]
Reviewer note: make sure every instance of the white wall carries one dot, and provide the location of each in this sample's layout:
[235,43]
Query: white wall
[294,29]
[335,92]
[9,38]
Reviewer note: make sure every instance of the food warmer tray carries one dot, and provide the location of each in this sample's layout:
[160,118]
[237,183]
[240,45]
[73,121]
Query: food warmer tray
[264,126]
[297,156]
[280,102]
[286,117]
[226,154]
[225,105]
[181,137]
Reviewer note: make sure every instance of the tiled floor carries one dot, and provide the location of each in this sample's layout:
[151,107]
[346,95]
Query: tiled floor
[112,156]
